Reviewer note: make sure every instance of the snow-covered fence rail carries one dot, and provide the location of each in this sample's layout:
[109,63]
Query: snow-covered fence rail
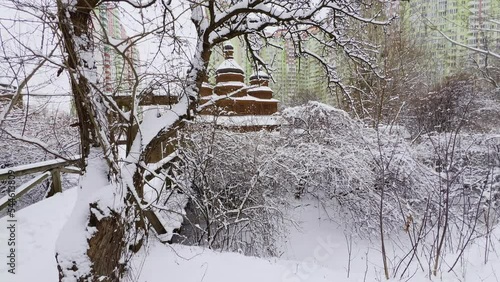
[51,168]
[40,167]
[21,190]
[162,164]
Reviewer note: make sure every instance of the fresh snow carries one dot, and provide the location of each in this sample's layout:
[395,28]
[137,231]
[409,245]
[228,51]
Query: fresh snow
[314,251]
[229,64]
[184,263]
[260,89]
[230,83]
[260,75]
[38,227]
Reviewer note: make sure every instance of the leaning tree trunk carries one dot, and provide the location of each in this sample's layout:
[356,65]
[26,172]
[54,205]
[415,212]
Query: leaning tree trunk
[107,224]
[92,246]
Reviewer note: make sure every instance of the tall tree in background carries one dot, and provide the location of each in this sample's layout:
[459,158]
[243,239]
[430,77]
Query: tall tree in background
[404,70]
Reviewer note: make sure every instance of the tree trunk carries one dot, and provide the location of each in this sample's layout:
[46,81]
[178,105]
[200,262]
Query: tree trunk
[92,245]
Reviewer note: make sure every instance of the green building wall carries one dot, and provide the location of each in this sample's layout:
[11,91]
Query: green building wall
[468,22]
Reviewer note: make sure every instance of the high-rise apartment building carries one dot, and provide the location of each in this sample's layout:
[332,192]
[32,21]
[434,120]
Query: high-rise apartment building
[115,74]
[474,23]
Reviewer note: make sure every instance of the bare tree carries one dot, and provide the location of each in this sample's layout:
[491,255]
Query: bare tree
[484,53]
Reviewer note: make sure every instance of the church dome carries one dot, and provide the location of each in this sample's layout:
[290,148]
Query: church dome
[229,65]
[260,81]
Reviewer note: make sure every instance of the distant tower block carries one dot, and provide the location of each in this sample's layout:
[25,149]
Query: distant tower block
[229,75]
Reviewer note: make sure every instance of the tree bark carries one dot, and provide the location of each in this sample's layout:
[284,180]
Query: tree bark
[108,228]
[77,26]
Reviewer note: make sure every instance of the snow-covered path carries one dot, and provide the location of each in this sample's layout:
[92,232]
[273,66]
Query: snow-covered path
[183,263]
[37,229]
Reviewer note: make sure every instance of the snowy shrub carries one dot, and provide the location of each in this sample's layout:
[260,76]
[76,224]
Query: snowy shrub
[468,166]
[239,183]
[444,107]
[235,202]
[346,165]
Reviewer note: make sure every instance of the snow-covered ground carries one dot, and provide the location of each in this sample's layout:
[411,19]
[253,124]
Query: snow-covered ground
[37,229]
[316,251]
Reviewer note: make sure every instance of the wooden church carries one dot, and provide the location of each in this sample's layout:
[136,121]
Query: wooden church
[255,99]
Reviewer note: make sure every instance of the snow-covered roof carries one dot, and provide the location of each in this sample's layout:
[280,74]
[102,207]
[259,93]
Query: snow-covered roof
[260,89]
[231,83]
[244,98]
[228,46]
[251,98]
[207,85]
[259,75]
[229,65]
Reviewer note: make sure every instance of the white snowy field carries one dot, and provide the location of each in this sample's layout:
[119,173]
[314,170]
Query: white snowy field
[316,251]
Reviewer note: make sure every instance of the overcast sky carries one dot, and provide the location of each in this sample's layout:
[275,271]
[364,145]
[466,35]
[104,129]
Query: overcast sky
[24,35]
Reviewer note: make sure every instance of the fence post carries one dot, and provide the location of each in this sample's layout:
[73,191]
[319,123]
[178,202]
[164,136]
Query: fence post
[55,185]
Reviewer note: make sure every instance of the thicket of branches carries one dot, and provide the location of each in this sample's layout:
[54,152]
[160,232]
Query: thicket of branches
[440,191]
[51,134]
[320,153]
[236,199]
[71,36]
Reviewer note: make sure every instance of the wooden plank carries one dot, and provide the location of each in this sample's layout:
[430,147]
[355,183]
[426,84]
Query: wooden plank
[131,133]
[153,219]
[161,165]
[21,190]
[55,185]
[71,169]
[145,100]
[37,167]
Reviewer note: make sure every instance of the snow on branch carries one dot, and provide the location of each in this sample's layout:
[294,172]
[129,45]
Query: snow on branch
[477,50]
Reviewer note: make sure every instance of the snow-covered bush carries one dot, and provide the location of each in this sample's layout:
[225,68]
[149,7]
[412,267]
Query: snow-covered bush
[239,183]
[468,164]
[235,201]
[444,107]
[444,185]
[347,165]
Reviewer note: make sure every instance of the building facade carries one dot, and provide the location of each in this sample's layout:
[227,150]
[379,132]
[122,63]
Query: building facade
[474,23]
[115,73]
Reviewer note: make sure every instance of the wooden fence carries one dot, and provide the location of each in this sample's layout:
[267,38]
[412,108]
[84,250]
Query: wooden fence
[53,169]
[43,170]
